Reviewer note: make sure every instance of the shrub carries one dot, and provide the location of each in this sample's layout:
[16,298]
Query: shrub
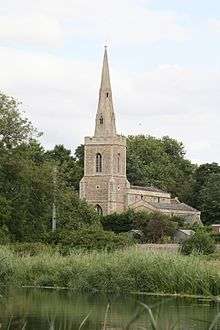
[159,228]
[156,226]
[216,238]
[141,220]
[118,223]
[201,242]
[88,239]
[153,225]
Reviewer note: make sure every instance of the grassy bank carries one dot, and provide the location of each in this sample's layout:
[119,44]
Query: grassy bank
[121,271]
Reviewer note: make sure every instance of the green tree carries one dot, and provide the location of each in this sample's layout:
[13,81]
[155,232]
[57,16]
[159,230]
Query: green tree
[14,127]
[59,154]
[28,187]
[161,163]
[73,213]
[79,154]
[206,192]
[209,202]
[71,168]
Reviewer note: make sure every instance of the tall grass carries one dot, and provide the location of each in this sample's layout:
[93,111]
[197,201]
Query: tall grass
[121,271]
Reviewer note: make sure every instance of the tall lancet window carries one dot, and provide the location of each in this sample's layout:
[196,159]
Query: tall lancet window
[98,163]
[118,162]
[101,120]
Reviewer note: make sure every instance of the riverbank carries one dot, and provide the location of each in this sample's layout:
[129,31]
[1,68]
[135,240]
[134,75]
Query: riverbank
[120,271]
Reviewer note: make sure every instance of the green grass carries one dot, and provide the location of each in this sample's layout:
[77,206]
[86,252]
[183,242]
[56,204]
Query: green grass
[120,271]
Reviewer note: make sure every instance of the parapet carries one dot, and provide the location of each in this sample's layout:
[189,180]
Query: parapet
[106,140]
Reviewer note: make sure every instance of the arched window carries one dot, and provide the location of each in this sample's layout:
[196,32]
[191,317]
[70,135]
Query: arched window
[99,209]
[118,162]
[101,120]
[98,163]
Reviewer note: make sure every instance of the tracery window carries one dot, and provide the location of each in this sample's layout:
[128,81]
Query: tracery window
[98,163]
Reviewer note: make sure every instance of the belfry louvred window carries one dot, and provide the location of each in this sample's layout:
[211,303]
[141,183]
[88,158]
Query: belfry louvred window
[98,163]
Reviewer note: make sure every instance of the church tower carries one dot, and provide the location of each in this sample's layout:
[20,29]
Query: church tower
[104,184]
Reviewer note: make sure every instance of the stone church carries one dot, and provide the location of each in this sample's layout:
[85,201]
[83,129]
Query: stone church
[105,184]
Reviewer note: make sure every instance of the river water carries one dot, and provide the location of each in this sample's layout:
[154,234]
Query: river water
[36,309]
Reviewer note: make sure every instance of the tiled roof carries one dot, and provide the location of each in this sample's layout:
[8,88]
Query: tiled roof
[173,206]
[148,189]
[186,231]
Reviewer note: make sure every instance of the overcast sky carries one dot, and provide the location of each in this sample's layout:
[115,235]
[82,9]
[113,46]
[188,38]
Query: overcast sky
[164,60]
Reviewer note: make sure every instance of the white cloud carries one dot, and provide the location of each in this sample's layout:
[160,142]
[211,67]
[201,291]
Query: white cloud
[119,22]
[60,96]
[31,29]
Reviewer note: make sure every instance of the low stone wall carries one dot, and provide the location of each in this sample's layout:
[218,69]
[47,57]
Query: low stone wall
[174,248]
[159,247]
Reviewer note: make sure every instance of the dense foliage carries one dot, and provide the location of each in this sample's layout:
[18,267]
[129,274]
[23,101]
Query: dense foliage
[119,223]
[31,180]
[161,163]
[201,242]
[206,192]
[155,227]
[91,238]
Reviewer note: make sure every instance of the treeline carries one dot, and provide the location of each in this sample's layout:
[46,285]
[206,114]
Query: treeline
[31,178]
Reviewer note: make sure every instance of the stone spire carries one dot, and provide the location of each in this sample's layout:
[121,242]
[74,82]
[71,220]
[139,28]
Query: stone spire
[105,117]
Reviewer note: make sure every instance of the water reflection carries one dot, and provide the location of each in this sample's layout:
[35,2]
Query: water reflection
[58,309]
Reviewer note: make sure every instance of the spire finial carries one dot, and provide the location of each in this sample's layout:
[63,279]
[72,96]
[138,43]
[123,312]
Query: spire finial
[105,81]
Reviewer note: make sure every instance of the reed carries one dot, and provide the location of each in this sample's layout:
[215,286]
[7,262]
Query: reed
[121,271]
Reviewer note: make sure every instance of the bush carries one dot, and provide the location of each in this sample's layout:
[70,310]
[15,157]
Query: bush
[159,228]
[216,238]
[153,225]
[88,239]
[118,223]
[201,242]
[156,226]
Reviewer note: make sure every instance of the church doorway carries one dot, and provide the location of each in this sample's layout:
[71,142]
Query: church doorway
[99,209]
